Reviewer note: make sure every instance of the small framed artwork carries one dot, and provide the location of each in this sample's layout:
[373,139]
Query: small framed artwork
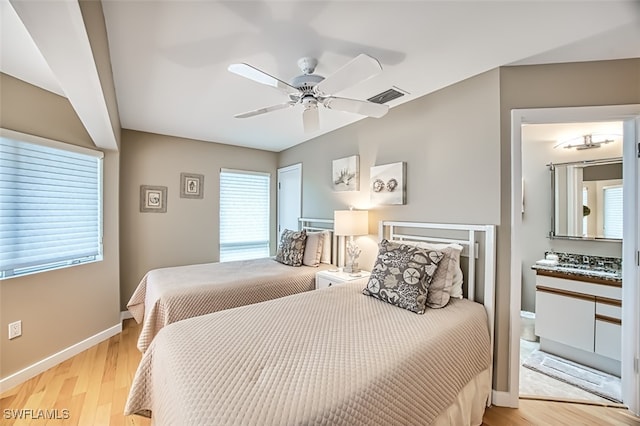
[388,184]
[346,174]
[153,199]
[191,185]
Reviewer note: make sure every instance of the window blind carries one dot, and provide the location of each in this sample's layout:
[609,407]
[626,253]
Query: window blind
[613,212]
[244,215]
[50,206]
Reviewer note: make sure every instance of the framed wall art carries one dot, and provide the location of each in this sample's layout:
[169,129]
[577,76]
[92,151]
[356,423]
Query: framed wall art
[388,184]
[346,174]
[191,185]
[153,199]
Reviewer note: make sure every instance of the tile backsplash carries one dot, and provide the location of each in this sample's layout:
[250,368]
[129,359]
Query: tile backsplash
[595,262]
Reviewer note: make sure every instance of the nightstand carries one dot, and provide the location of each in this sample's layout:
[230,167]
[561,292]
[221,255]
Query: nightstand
[328,278]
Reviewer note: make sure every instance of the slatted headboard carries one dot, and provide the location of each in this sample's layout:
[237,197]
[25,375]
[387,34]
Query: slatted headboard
[477,241]
[315,224]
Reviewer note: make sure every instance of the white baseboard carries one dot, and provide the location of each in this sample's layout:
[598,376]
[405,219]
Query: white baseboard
[33,370]
[125,315]
[504,399]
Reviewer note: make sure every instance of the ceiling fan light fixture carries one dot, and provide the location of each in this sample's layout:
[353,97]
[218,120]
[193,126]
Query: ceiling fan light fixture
[310,89]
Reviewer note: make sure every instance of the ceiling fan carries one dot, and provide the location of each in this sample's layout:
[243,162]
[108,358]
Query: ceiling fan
[309,89]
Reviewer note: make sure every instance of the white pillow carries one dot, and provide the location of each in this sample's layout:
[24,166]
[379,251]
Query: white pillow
[326,247]
[456,287]
[313,249]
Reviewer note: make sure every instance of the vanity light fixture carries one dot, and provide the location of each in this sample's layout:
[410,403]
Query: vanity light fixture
[586,141]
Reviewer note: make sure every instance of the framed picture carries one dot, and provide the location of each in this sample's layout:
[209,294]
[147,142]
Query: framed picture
[388,184]
[191,185]
[153,199]
[346,174]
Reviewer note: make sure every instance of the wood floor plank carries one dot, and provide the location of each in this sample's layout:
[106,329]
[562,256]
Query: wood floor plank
[93,386]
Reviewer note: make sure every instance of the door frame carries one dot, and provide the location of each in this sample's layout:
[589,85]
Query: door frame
[631,271]
[297,166]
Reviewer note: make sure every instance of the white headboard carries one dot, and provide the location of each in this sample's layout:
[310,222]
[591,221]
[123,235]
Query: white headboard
[315,224]
[469,237]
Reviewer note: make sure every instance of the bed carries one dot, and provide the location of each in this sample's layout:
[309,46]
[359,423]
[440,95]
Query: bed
[168,295]
[331,356]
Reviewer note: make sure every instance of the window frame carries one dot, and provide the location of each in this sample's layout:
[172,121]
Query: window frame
[62,146]
[268,218]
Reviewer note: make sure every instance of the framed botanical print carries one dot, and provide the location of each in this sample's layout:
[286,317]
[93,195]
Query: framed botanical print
[191,185]
[153,199]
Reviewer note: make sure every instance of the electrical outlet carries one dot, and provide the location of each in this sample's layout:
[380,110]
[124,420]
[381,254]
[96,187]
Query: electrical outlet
[15,329]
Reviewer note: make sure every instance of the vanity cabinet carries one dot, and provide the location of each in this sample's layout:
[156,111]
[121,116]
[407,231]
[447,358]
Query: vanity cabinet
[579,318]
[565,318]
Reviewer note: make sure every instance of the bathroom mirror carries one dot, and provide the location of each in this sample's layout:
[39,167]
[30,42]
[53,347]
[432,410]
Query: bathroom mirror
[587,200]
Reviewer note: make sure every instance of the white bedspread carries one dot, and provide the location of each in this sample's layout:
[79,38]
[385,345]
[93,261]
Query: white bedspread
[167,295]
[331,356]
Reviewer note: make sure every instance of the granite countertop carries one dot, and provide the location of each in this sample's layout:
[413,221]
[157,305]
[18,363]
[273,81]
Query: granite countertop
[581,265]
[578,270]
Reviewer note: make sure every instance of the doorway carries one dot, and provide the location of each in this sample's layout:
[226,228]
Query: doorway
[628,114]
[568,170]
[289,197]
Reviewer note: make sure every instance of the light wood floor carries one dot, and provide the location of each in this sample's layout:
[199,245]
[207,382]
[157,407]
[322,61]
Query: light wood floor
[93,387]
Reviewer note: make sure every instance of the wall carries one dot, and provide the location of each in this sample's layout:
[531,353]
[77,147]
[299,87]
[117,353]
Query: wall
[63,307]
[450,141]
[189,231]
[547,86]
[536,222]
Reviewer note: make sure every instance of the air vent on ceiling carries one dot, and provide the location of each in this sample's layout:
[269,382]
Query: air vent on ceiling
[386,96]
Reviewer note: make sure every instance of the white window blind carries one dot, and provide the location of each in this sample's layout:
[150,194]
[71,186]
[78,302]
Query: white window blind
[613,212]
[244,215]
[50,205]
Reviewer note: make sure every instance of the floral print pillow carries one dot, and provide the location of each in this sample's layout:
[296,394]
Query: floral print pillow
[291,249]
[402,274]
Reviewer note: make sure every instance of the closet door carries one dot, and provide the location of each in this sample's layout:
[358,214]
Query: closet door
[289,197]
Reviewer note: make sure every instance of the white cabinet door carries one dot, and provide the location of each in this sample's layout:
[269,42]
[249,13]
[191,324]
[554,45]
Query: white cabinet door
[289,197]
[565,319]
[608,339]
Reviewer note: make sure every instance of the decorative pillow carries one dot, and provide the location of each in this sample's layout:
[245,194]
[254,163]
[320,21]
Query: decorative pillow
[439,291]
[402,274]
[313,248]
[326,247]
[291,249]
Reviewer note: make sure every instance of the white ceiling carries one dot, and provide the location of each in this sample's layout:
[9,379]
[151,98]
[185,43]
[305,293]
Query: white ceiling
[170,58]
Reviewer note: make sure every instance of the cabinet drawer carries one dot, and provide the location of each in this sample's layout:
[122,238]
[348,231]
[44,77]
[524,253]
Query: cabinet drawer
[322,282]
[608,310]
[565,319]
[608,339]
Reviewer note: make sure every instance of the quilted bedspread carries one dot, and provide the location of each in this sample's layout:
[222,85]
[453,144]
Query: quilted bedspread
[167,295]
[331,356]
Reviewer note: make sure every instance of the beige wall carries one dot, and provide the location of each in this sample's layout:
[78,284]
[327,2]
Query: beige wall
[58,308]
[188,232]
[450,141]
[536,221]
[542,86]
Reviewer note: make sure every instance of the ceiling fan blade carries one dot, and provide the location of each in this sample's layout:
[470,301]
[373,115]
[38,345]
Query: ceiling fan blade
[358,69]
[367,108]
[310,119]
[253,73]
[264,110]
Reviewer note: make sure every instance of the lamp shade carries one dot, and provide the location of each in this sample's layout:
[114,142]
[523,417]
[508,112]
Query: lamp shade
[351,222]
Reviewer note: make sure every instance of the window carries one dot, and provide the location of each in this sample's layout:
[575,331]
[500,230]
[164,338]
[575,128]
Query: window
[244,215]
[50,204]
[613,211]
